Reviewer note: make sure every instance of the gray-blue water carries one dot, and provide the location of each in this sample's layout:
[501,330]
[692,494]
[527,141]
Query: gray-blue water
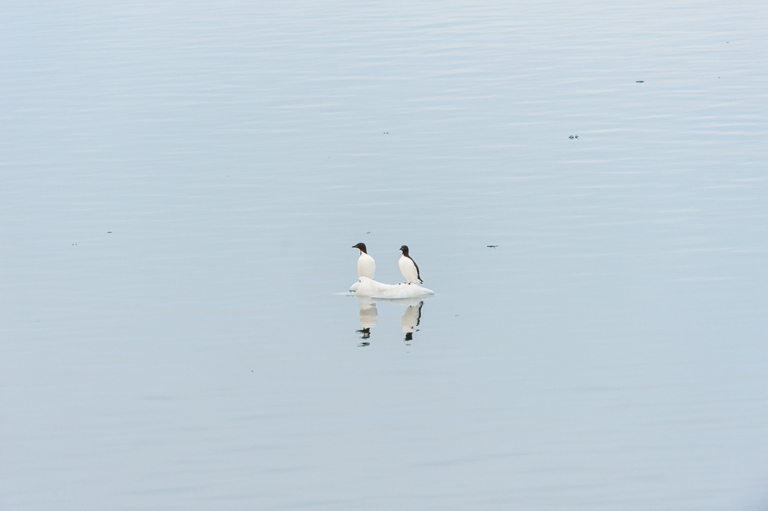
[180,187]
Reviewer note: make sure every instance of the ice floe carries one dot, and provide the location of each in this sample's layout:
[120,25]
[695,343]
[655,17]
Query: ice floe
[373,289]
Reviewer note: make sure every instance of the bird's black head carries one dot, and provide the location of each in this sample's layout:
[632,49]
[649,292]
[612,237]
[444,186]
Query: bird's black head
[361,246]
[404,248]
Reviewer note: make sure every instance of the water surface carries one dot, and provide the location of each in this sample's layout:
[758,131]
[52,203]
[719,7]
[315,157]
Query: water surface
[181,187]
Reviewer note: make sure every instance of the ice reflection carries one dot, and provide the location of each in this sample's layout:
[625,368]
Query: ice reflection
[369,314]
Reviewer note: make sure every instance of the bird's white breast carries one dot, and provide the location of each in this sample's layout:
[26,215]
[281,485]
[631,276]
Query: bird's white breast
[366,266]
[408,269]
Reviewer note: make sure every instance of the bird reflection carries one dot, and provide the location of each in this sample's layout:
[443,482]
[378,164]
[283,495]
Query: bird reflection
[411,317]
[368,316]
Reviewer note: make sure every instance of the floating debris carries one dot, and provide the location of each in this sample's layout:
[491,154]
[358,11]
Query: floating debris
[573,136]
[492,246]
[639,81]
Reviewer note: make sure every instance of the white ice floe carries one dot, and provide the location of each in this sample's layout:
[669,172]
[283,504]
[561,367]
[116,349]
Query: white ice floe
[368,287]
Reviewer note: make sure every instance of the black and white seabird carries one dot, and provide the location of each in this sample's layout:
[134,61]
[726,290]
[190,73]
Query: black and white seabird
[408,267]
[366,266]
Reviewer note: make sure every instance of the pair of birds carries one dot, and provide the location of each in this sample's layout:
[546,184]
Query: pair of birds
[366,266]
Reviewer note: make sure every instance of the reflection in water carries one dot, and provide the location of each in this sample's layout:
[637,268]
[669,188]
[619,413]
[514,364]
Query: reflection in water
[369,315]
[411,318]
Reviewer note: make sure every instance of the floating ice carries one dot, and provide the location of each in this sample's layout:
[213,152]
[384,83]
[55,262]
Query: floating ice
[373,289]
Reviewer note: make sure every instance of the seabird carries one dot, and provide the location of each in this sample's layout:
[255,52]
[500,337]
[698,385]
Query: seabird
[408,267]
[366,266]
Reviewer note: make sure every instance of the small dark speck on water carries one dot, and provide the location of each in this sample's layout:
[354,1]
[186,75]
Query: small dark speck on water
[640,81]
[492,246]
[367,232]
[573,136]
[109,232]
[386,133]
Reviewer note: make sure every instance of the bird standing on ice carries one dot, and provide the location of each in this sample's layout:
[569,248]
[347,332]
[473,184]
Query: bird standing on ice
[366,266]
[408,267]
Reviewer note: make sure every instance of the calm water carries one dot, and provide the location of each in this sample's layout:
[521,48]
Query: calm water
[180,186]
